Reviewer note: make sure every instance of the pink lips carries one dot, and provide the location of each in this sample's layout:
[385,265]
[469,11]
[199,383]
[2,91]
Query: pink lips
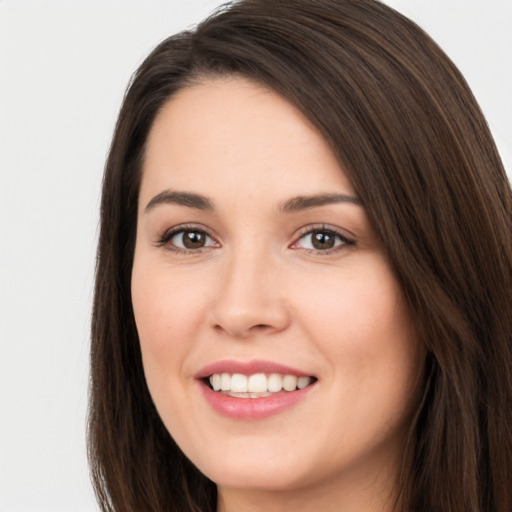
[250,408]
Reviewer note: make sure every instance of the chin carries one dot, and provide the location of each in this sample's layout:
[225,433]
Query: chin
[258,466]
[254,476]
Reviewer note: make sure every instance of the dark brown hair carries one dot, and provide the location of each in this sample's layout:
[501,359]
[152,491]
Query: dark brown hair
[417,149]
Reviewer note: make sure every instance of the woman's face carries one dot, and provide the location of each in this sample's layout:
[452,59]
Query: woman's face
[255,265]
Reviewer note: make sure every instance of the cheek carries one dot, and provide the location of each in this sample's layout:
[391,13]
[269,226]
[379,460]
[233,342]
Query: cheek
[356,305]
[361,324]
[158,317]
[167,308]
[167,312]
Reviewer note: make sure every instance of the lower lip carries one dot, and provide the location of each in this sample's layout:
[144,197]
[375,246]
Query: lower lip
[253,408]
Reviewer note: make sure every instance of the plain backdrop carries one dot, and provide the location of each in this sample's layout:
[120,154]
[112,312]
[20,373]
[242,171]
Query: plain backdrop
[64,66]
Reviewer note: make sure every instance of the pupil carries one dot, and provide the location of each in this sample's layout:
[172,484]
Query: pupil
[193,239]
[323,240]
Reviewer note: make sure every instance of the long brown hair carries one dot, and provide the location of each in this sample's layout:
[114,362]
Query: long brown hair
[417,149]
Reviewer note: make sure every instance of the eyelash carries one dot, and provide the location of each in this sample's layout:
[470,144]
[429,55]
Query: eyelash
[321,228]
[165,239]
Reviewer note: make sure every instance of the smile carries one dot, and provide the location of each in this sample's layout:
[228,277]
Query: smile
[253,390]
[256,385]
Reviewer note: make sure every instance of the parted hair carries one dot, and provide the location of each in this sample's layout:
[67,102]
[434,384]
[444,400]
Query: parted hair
[409,134]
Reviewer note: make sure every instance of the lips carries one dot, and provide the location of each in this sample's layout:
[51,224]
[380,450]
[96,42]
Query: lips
[253,390]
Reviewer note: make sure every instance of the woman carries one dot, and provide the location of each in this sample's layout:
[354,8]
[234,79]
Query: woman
[304,274]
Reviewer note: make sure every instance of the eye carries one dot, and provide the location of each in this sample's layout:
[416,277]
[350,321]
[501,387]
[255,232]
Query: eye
[184,239]
[190,239]
[321,240]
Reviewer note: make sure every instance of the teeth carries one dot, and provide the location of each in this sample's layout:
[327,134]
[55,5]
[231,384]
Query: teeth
[225,382]
[290,382]
[215,381]
[239,383]
[256,385]
[275,382]
[302,382]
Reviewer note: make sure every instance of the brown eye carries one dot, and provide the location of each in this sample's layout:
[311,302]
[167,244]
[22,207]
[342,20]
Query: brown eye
[190,239]
[322,240]
[193,239]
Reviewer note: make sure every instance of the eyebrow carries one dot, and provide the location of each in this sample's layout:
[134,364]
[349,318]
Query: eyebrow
[188,199]
[294,204]
[300,203]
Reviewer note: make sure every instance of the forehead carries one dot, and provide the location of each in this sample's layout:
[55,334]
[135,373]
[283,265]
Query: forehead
[238,135]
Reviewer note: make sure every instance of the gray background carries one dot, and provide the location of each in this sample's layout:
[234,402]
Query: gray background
[64,66]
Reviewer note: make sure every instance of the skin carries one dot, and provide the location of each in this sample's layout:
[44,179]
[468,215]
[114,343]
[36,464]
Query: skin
[258,289]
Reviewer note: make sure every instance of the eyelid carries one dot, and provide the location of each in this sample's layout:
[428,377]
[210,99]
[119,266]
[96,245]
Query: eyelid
[322,227]
[165,238]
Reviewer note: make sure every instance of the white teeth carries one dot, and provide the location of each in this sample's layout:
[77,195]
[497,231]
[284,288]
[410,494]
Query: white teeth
[302,382]
[215,381]
[225,382]
[290,382]
[275,382]
[239,383]
[247,395]
[256,385]
[259,395]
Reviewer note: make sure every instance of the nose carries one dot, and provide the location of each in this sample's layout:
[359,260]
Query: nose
[249,299]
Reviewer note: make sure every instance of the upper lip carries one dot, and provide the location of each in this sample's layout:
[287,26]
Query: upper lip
[248,368]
